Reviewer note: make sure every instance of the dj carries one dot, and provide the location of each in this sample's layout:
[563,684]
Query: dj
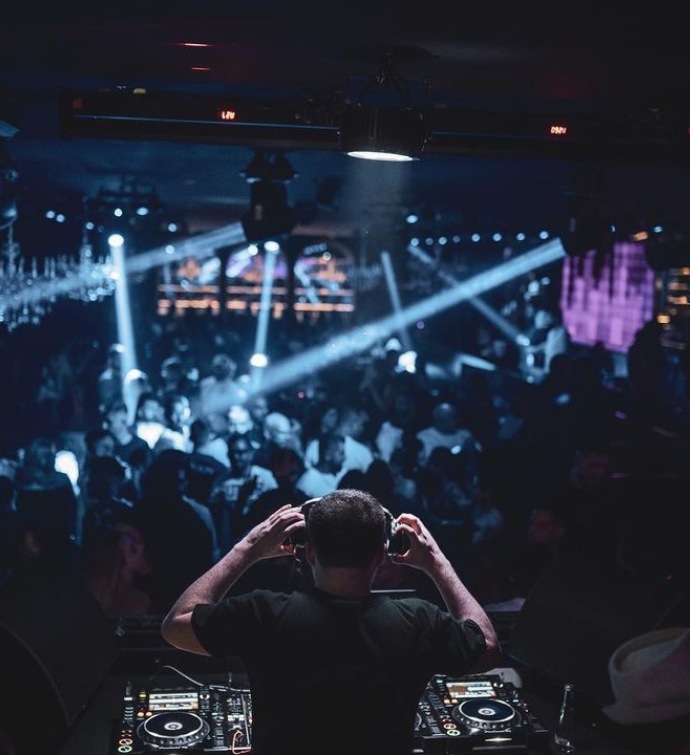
[337,669]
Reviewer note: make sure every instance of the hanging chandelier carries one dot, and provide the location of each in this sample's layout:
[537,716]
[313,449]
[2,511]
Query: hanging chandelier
[29,289]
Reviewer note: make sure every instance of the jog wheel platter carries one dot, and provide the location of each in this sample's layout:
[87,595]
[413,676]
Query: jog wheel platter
[485,714]
[189,719]
[175,729]
[482,712]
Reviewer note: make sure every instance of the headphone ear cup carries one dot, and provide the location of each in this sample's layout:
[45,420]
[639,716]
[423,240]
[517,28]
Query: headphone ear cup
[299,538]
[397,541]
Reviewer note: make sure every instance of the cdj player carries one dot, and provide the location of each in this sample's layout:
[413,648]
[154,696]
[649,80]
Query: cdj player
[476,714]
[471,714]
[187,718]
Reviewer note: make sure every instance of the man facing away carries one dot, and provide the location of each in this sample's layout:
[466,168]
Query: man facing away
[335,668]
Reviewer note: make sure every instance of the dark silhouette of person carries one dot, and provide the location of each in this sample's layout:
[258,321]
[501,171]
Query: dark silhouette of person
[179,532]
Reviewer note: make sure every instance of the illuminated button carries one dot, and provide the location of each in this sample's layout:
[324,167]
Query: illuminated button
[450,726]
[124,749]
[453,733]
[125,741]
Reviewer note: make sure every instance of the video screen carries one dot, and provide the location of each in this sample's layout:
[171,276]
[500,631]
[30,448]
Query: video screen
[460,690]
[187,700]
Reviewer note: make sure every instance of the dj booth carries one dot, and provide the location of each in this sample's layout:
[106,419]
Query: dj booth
[181,707]
[81,684]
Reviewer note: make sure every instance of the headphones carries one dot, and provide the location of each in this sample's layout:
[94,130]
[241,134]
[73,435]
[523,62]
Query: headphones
[396,540]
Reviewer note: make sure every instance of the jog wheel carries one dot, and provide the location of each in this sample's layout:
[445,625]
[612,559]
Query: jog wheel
[173,729]
[485,714]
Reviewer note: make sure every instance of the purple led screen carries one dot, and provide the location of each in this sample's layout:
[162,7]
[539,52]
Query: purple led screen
[607,298]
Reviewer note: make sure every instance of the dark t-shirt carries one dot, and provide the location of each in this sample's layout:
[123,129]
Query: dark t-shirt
[336,675]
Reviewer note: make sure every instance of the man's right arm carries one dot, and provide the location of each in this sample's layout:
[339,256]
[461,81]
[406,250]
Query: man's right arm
[266,540]
[425,554]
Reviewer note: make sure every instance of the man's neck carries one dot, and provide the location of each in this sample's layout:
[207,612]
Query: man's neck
[344,582]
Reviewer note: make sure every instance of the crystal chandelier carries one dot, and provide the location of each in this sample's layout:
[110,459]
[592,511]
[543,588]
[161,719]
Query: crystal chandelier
[28,292]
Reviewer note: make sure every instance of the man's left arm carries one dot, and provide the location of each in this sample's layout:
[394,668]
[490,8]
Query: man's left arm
[266,540]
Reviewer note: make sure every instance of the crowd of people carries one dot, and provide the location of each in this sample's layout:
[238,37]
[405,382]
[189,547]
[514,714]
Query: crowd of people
[173,465]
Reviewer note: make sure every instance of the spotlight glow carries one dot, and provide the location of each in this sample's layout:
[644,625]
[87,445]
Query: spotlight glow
[116,240]
[259,360]
[391,157]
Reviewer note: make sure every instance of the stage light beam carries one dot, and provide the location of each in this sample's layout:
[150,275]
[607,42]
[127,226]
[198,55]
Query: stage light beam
[389,275]
[500,323]
[365,337]
[123,311]
[270,257]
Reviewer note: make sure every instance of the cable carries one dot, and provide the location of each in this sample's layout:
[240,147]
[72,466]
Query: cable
[188,678]
[233,745]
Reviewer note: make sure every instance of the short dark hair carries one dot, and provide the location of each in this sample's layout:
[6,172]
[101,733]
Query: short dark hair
[346,528]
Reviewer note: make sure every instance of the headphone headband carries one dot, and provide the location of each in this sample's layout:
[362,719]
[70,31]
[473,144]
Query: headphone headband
[396,541]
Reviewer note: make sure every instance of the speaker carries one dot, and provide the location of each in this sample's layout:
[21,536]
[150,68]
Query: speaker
[577,613]
[56,646]
[397,541]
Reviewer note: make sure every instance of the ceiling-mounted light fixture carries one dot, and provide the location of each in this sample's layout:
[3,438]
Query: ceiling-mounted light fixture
[270,214]
[382,124]
[268,165]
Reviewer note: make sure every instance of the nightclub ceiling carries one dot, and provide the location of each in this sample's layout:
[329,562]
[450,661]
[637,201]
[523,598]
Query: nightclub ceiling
[97,101]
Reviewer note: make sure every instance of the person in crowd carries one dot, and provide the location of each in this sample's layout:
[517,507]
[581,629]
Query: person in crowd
[444,430]
[134,384]
[127,442]
[44,494]
[115,561]
[548,337]
[404,418]
[52,396]
[325,475]
[109,381]
[648,369]
[592,502]
[177,412]
[258,408]
[174,378]
[350,423]
[108,478]
[447,502]
[337,650]
[403,466]
[205,442]
[278,442]
[179,532]
[219,392]
[529,557]
[40,549]
[235,492]
[149,422]
[319,417]
[380,378]
[98,441]
[271,500]
[203,474]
